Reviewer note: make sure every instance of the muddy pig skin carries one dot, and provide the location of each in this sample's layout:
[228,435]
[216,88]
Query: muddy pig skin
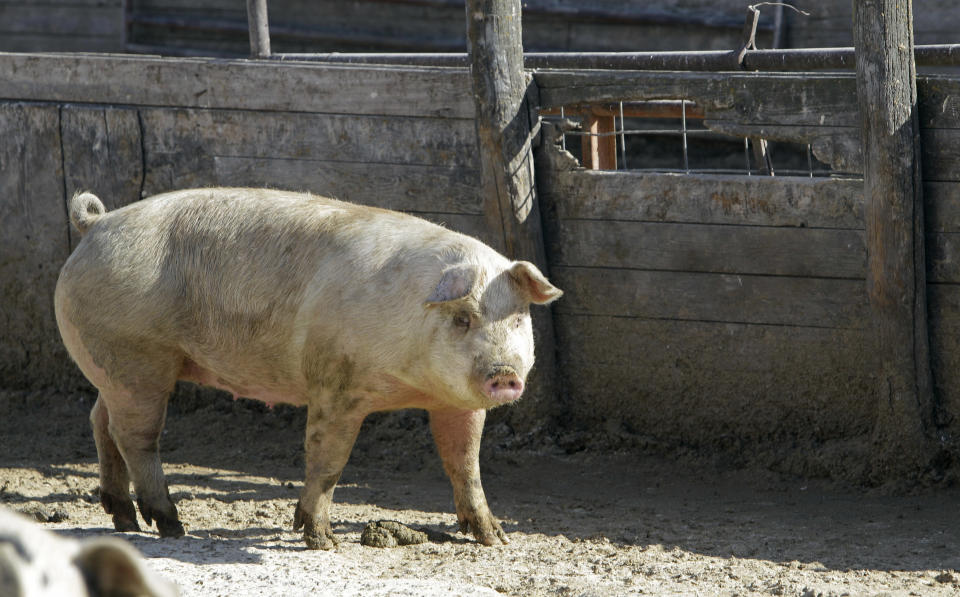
[293,298]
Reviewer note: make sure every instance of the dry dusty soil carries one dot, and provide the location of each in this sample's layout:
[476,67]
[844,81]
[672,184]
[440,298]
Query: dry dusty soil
[579,524]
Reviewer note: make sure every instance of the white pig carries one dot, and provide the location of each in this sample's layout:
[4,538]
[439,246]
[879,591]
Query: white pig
[293,298]
[37,563]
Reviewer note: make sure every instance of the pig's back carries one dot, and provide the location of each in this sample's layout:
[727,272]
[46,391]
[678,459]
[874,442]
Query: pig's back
[223,273]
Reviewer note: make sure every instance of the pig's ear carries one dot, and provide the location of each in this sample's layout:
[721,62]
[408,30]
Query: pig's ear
[113,567]
[456,283]
[534,284]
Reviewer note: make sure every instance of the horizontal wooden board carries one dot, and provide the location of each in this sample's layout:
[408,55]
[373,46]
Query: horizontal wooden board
[727,298]
[241,84]
[709,199]
[769,98]
[774,99]
[940,154]
[761,250]
[181,145]
[943,206]
[703,383]
[944,322]
[395,186]
[837,146]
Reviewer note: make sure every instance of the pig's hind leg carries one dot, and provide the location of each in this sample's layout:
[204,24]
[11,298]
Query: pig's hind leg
[457,435]
[137,407]
[114,480]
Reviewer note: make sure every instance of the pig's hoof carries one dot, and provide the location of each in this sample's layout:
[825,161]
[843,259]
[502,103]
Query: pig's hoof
[486,530]
[322,540]
[316,534]
[169,528]
[125,525]
[124,514]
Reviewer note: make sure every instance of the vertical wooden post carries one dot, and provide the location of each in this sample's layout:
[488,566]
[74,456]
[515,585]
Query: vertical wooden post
[504,123]
[500,86]
[259,28]
[896,272]
[599,152]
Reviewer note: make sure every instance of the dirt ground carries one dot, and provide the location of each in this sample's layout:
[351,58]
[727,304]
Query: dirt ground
[591,524]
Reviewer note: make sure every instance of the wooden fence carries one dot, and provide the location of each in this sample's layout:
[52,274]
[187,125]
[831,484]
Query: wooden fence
[715,311]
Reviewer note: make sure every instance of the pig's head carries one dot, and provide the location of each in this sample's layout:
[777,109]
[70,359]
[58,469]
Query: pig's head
[482,336]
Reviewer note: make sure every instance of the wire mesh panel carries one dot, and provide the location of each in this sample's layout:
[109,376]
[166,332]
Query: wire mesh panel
[671,136]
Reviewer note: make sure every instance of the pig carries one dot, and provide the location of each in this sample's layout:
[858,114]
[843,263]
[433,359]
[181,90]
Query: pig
[37,563]
[291,298]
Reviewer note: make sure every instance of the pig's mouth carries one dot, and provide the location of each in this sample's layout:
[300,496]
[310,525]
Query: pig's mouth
[503,385]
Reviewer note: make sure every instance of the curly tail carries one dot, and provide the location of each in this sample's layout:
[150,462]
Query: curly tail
[85,210]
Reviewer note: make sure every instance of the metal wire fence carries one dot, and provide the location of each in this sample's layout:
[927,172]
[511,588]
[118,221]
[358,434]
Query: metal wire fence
[671,136]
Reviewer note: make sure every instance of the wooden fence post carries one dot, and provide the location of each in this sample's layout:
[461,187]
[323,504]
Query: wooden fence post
[259,28]
[504,123]
[896,264]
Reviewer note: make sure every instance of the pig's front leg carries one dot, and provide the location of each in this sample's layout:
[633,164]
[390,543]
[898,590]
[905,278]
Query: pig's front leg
[457,435]
[330,437]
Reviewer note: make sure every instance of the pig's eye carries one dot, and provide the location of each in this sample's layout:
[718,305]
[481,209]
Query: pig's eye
[462,320]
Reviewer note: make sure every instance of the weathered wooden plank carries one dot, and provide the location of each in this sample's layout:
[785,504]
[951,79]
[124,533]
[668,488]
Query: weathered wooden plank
[102,154]
[814,99]
[708,199]
[761,250]
[700,383]
[838,146]
[942,201]
[940,154]
[180,144]
[729,298]
[240,84]
[944,309]
[394,186]
[749,99]
[33,244]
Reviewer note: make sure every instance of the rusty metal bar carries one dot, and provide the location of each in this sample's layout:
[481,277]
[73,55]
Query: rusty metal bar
[803,59]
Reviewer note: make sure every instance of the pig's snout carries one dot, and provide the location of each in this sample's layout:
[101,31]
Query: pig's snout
[503,385]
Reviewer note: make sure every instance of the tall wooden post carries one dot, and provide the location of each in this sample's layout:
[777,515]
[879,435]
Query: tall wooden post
[501,90]
[896,273]
[259,28]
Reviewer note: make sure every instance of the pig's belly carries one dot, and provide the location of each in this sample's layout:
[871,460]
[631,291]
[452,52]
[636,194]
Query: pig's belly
[194,373]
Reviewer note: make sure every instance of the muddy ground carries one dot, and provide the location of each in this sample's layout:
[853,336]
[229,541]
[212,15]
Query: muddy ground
[600,523]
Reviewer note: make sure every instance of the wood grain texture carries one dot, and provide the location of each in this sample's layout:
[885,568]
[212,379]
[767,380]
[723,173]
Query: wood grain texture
[102,153]
[237,84]
[896,261]
[760,250]
[181,145]
[727,298]
[33,245]
[702,383]
[707,199]
[445,189]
